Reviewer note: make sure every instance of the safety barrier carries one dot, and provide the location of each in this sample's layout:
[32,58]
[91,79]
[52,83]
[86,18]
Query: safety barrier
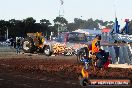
[6,48]
[120,54]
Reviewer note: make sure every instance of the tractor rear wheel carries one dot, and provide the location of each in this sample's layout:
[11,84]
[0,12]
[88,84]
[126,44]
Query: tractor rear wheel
[28,45]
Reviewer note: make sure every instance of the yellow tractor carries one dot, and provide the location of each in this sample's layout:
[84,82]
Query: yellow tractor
[33,42]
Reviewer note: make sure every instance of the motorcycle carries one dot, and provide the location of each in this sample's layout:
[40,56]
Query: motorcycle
[88,60]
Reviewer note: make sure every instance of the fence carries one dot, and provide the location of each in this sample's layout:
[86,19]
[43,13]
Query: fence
[4,47]
[120,53]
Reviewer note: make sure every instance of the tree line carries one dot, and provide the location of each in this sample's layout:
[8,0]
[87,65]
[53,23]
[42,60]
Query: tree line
[29,25]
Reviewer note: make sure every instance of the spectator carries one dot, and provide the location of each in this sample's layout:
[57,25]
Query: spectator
[12,42]
[18,43]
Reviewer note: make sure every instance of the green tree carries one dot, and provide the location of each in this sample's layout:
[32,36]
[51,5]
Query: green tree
[29,24]
[72,27]
[60,20]
[12,28]
[46,22]
[91,24]
[45,26]
[60,24]
[3,27]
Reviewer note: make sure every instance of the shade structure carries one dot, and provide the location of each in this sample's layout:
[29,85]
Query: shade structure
[106,30]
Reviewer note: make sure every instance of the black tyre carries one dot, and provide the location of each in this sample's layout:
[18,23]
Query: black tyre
[47,51]
[84,82]
[83,52]
[28,45]
[79,57]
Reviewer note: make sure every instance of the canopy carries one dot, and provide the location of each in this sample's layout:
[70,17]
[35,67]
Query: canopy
[89,31]
[106,30]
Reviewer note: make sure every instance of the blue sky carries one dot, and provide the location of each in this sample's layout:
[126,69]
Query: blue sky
[49,9]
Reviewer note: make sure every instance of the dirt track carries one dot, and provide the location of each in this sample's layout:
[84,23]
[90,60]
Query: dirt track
[39,71]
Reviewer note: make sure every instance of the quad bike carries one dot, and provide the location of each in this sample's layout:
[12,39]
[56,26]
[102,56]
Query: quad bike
[90,61]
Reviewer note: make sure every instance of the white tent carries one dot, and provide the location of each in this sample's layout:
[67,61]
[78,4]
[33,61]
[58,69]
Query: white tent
[88,31]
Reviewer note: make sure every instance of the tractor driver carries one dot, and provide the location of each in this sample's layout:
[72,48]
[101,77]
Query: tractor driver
[96,50]
[96,44]
[39,39]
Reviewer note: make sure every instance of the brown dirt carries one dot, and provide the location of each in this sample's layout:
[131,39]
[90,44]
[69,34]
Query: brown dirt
[33,72]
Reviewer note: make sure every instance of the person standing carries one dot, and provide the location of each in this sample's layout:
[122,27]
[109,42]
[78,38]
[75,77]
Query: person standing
[12,42]
[18,43]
